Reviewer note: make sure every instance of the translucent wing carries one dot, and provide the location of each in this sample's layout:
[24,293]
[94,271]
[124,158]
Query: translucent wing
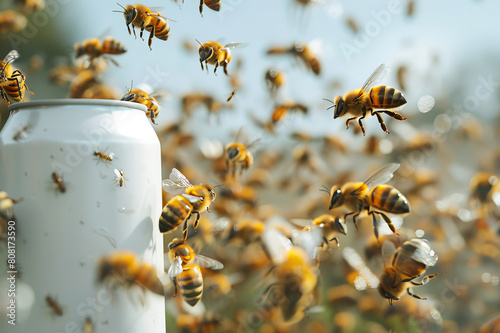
[207,262]
[276,245]
[176,182]
[222,224]
[11,56]
[192,198]
[234,45]
[308,240]
[382,175]
[422,252]
[388,250]
[377,74]
[176,267]
[301,222]
[117,173]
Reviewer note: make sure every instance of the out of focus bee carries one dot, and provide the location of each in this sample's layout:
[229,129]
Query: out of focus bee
[238,158]
[372,196]
[282,110]
[245,231]
[94,48]
[408,262]
[142,17]
[6,205]
[205,323]
[120,179]
[101,156]
[352,24]
[274,80]
[12,21]
[101,91]
[294,291]
[190,101]
[189,199]
[484,186]
[12,82]
[303,52]
[231,96]
[492,326]
[127,269]
[82,82]
[329,225]
[140,96]
[214,53]
[185,270]
[401,73]
[241,193]
[89,326]
[52,303]
[360,102]
[28,6]
[58,181]
[411,8]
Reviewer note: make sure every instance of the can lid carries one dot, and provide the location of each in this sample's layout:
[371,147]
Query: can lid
[77,101]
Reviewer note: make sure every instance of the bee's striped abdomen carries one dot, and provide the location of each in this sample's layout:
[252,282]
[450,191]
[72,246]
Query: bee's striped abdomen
[388,199]
[213,4]
[190,283]
[174,213]
[383,97]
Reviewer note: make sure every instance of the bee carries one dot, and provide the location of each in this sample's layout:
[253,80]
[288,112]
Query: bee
[95,48]
[126,268]
[214,53]
[58,181]
[246,231]
[231,96]
[212,4]
[21,133]
[185,270]
[352,24]
[103,157]
[205,323]
[82,82]
[296,276]
[401,73]
[142,17]
[12,82]
[52,303]
[238,158]
[372,196]
[274,80]
[6,206]
[12,21]
[189,199]
[329,225]
[280,111]
[360,102]
[140,96]
[408,262]
[191,101]
[119,179]
[484,186]
[30,5]
[302,52]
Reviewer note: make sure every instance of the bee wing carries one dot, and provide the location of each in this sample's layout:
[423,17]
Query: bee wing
[176,182]
[222,224]
[308,240]
[192,198]
[234,45]
[176,267]
[302,223]
[382,175]
[388,250]
[379,72]
[276,245]
[207,262]
[423,254]
[117,173]
[11,56]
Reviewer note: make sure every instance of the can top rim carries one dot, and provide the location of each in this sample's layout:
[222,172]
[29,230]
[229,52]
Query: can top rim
[77,101]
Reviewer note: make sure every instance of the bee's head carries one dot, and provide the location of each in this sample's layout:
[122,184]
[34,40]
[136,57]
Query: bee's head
[205,52]
[339,107]
[340,225]
[337,198]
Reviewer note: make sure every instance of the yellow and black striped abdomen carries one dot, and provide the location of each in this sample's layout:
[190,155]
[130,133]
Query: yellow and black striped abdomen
[190,283]
[174,213]
[162,29]
[212,4]
[112,46]
[15,87]
[383,97]
[388,199]
[148,278]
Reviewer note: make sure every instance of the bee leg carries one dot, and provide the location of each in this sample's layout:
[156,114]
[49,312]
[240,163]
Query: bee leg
[388,221]
[224,65]
[185,229]
[201,8]
[142,30]
[266,292]
[151,35]
[393,114]
[4,96]
[195,225]
[375,224]
[361,123]
[415,295]
[425,279]
[345,219]
[348,121]
[336,241]
[381,121]
[325,241]
[174,280]
[215,69]
[201,63]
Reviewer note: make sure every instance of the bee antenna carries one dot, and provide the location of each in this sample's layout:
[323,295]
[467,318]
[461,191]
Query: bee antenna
[219,185]
[325,189]
[329,100]
[198,42]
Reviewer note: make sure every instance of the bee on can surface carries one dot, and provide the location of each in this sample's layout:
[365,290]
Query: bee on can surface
[94,48]
[12,21]
[140,96]
[185,270]
[214,53]
[119,179]
[190,199]
[302,52]
[58,181]
[12,82]
[52,303]
[372,196]
[127,269]
[361,102]
[142,17]
[6,206]
[408,262]
[101,156]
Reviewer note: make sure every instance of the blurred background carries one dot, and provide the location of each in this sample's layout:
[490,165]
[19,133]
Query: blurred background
[441,55]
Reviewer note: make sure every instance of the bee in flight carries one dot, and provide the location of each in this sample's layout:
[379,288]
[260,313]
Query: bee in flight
[302,52]
[12,82]
[140,96]
[274,80]
[126,268]
[142,17]
[408,262]
[95,48]
[214,53]
[119,179]
[190,199]
[185,270]
[372,196]
[361,102]
[329,225]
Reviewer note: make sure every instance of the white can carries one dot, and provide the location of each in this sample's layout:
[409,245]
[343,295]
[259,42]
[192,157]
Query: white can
[61,235]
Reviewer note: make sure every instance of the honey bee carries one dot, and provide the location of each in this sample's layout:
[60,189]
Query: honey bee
[231,96]
[12,21]
[52,303]
[189,199]
[127,269]
[492,326]
[103,157]
[83,81]
[12,82]
[214,53]
[360,102]
[212,4]
[329,225]
[274,80]
[58,181]
[206,323]
[402,72]
[95,48]
[280,111]
[140,96]
[352,24]
[238,158]
[185,270]
[302,52]
[120,179]
[372,196]
[408,262]
[142,17]
[31,5]
[246,231]
[484,186]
